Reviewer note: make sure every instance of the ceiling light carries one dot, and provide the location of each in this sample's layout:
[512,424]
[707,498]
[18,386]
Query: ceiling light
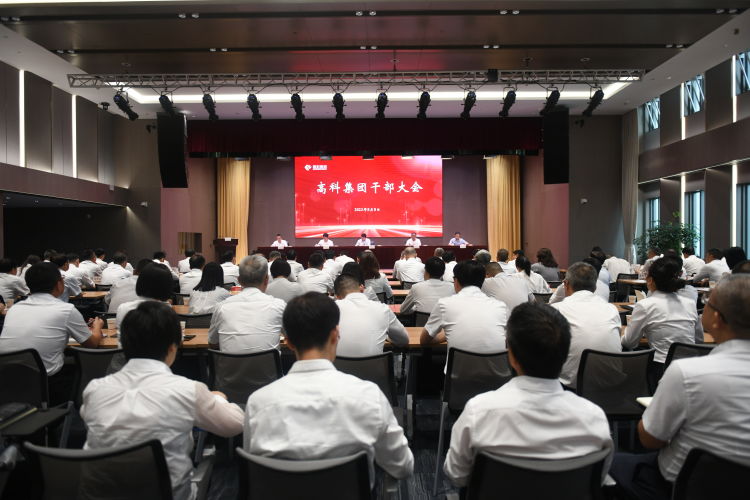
[551,102]
[60,51]
[373,13]
[516,12]
[358,13]
[223,49]
[503,12]
[71,51]
[254,105]
[373,47]
[4,19]
[407,157]
[424,103]
[495,46]
[195,15]
[485,46]
[679,45]
[363,47]
[447,157]
[595,101]
[669,45]
[166,104]
[210,105]
[182,15]
[15,19]
[381,104]
[121,100]
[283,158]
[508,102]
[338,104]
[719,11]
[212,49]
[732,11]
[469,102]
[297,106]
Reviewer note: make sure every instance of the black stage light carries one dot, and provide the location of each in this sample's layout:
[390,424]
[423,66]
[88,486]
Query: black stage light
[210,105]
[122,102]
[338,104]
[424,103]
[254,105]
[469,101]
[595,101]
[552,99]
[297,105]
[167,105]
[381,104]
[508,102]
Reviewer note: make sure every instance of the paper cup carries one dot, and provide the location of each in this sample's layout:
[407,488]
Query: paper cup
[111,323]
[186,301]
[631,299]
[182,326]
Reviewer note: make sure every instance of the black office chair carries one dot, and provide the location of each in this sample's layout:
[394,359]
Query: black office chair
[377,369]
[263,478]
[681,350]
[91,364]
[468,374]
[542,298]
[407,284]
[622,290]
[102,288]
[496,476]
[705,476]
[239,375]
[420,318]
[26,369]
[554,284]
[196,320]
[381,297]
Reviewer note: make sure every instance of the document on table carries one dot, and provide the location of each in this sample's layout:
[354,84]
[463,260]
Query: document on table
[644,401]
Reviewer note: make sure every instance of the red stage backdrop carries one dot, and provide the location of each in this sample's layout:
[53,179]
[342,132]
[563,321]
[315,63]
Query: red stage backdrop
[386,197]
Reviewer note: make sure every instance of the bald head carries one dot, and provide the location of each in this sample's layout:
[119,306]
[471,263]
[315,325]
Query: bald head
[728,303]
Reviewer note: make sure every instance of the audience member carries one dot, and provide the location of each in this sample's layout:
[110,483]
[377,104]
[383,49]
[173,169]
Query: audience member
[71,281]
[691,262]
[450,262]
[353,269]
[651,255]
[231,270]
[342,259]
[483,257]
[314,279]
[124,290]
[602,287]
[531,416]
[330,265]
[189,280]
[439,251]
[154,283]
[291,258]
[280,286]
[734,256]
[597,254]
[145,400]
[30,261]
[742,267]
[209,290]
[88,266]
[424,295]
[409,269]
[11,286]
[502,259]
[537,284]
[511,290]
[115,270]
[101,255]
[714,268]
[374,279]
[183,266]
[160,257]
[614,266]
[546,265]
[516,254]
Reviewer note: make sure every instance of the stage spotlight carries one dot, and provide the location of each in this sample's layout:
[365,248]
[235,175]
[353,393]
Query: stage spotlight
[254,105]
[338,104]
[469,102]
[297,106]
[552,99]
[210,105]
[508,102]
[167,105]
[121,101]
[381,104]
[424,103]
[447,157]
[595,101]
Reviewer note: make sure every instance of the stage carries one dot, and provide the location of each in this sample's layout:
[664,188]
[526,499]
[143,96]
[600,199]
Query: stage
[386,254]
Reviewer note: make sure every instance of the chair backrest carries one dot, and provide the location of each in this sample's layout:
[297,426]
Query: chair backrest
[133,471]
[91,364]
[420,318]
[681,350]
[407,285]
[622,290]
[26,369]
[614,380]
[103,288]
[542,298]
[228,286]
[239,375]
[576,478]
[377,369]
[554,284]
[263,478]
[196,320]
[705,476]
[471,373]
[381,297]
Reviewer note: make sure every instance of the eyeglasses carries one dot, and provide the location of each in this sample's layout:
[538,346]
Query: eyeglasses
[721,314]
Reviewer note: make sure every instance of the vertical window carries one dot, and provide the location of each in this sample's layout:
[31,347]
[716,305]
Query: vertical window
[742,72]
[652,213]
[694,95]
[694,216]
[743,215]
[651,115]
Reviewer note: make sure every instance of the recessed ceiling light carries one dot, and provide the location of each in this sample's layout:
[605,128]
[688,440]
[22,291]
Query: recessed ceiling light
[60,51]
[373,13]
[212,49]
[732,11]
[503,12]
[15,18]
[719,11]
[679,45]
[669,78]
[373,47]
[4,19]
[182,15]
[71,51]
[362,47]
[223,49]
[516,12]
[195,15]
[486,46]
[669,45]
[495,46]
[358,13]
[585,59]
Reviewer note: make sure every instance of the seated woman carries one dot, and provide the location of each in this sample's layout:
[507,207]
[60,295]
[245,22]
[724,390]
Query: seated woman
[546,265]
[374,279]
[208,292]
[536,282]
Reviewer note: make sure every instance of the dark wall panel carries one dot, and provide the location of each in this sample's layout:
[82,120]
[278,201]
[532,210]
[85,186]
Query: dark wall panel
[105,147]
[695,124]
[38,122]
[86,140]
[719,95]
[669,199]
[718,207]
[670,126]
[62,134]
[9,146]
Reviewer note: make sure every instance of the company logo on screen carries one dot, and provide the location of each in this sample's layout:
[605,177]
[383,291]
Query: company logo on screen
[386,197]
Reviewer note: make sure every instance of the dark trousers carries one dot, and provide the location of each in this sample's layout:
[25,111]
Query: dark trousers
[639,477]
[61,385]
[654,375]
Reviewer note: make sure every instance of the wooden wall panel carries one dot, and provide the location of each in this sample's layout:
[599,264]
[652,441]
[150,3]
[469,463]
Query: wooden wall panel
[669,199]
[38,122]
[86,140]
[62,135]
[718,207]
[9,146]
[670,126]
[719,95]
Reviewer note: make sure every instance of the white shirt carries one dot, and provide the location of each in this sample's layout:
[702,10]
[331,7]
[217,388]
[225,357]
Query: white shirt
[616,266]
[231,273]
[604,276]
[454,242]
[183,266]
[315,280]
[101,263]
[424,296]
[279,244]
[714,270]
[527,417]
[317,412]
[247,322]
[145,400]
[165,263]
[325,243]
[84,279]
[364,325]
[283,289]
[693,265]
[448,274]
[11,287]
[331,268]
[296,267]
[205,302]
[125,308]
[341,261]
[471,321]
[72,286]
[602,291]
[413,242]
[648,263]
[89,268]
[380,285]
[510,290]
[410,270]
[537,284]
[703,403]
[114,272]
[663,318]
[190,280]
[594,324]
[363,242]
[122,291]
[44,323]
[508,267]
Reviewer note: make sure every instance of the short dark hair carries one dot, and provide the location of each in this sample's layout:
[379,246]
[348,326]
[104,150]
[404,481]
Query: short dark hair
[189,253]
[119,258]
[274,254]
[688,250]
[598,255]
[448,256]
[596,263]
[48,253]
[6,265]
[291,254]
[99,252]
[345,283]
[518,253]
[523,264]
[715,253]
[148,330]
[309,319]
[86,254]
[143,264]
[539,337]
[739,268]
[469,273]
[316,260]
[42,277]
[666,274]
[212,277]
[355,271]
[435,267]
[197,261]
[363,235]
[329,254]
[60,260]
[160,254]
[493,269]
[502,255]
[325,235]
[155,282]
[733,255]
[280,268]
[72,257]
[227,256]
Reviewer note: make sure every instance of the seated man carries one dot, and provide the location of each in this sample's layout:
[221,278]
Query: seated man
[502,259]
[74,261]
[413,241]
[457,240]
[424,295]
[616,266]
[363,241]
[700,402]
[450,262]
[11,286]
[364,323]
[88,266]
[594,323]
[154,283]
[508,289]
[325,242]
[468,320]
[183,266]
[231,270]
[160,257]
[44,323]
[100,256]
[116,270]
[279,243]
[124,290]
[291,258]
[145,400]
[189,280]
[714,268]
[72,281]
[326,413]
[531,416]
[602,283]
[409,269]
[251,320]
[281,287]
[692,263]
[314,278]
[330,266]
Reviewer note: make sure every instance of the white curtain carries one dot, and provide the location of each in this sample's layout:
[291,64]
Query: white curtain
[630,150]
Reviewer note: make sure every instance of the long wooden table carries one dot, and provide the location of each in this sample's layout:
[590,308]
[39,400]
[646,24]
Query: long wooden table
[182,309]
[386,254]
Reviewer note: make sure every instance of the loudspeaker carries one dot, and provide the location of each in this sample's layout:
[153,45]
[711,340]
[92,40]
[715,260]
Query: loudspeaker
[172,138]
[555,143]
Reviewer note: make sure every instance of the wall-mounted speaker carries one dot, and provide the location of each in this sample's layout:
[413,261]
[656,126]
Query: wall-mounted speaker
[172,139]
[555,144]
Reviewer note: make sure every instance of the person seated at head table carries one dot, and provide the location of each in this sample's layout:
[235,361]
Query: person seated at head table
[231,270]
[457,240]
[540,419]
[11,286]
[325,242]
[280,286]
[124,290]
[183,266]
[701,402]
[314,278]
[326,413]
[154,283]
[537,284]
[374,279]
[363,241]
[279,243]
[208,292]
[115,270]
[508,289]
[423,296]
[413,241]
[144,400]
